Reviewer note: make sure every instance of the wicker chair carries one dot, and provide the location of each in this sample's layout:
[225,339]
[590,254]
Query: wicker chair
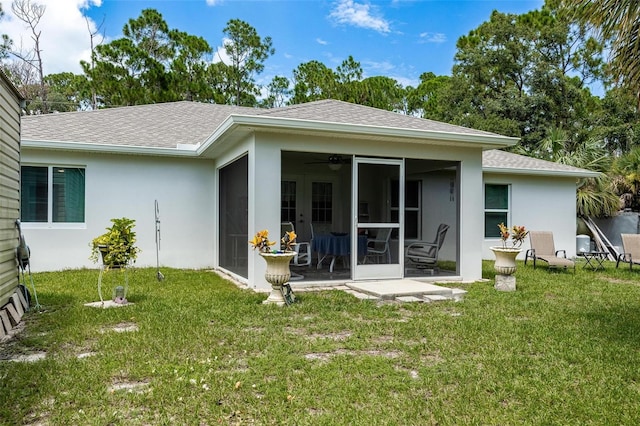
[543,248]
[631,246]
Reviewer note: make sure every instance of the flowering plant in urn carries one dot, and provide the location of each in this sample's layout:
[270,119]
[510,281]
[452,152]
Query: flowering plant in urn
[261,242]
[277,273]
[517,234]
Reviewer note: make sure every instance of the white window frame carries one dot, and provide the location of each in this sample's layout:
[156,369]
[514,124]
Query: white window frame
[50,224]
[486,210]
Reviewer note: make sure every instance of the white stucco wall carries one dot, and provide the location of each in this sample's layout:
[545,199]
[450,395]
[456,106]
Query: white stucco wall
[126,186]
[540,204]
[470,186]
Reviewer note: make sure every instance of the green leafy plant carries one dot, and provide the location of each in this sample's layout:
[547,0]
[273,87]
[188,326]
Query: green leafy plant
[262,243]
[517,234]
[116,247]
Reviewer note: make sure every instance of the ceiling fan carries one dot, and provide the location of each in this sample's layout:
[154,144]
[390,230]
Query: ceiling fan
[335,161]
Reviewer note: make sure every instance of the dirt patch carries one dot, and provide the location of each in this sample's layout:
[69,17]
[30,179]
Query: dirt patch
[130,387]
[383,339]
[326,356]
[33,357]
[619,281]
[123,327]
[344,335]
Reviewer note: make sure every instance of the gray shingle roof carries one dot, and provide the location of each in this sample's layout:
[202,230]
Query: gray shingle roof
[190,123]
[508,162]
[155,125]
[346,113]
[169,124]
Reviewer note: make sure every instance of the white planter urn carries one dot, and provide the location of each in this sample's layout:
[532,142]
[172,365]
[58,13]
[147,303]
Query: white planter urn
[505,259]
[505,266]
[277,274]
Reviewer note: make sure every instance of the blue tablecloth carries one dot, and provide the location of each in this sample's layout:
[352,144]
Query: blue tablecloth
[338,245]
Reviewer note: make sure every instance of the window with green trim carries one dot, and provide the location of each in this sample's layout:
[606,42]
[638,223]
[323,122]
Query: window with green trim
[496,209]
[51,194]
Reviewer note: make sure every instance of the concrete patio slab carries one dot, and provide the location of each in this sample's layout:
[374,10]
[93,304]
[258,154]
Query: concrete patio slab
[390,289]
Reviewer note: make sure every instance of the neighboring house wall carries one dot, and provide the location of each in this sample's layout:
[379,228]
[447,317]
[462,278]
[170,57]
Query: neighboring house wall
[127,186]
[540,203]
[9,188]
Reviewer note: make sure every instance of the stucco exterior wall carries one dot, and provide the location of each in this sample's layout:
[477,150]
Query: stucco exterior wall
[540,204]
[127,186]
[469,192]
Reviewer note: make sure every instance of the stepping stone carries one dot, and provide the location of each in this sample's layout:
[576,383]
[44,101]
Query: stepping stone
[435,298]
[458,294]
[361,296]
[409,299]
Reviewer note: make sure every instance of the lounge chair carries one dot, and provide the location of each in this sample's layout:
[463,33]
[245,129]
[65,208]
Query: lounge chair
[631,247]
[542,248]
[424,255]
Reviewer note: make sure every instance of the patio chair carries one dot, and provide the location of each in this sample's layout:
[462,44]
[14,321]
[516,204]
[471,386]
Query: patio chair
[303,250]
[379,246]
[631,250]
[423,254]
[542,248]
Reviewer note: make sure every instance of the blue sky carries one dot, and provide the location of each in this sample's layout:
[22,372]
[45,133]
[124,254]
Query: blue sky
[396,38]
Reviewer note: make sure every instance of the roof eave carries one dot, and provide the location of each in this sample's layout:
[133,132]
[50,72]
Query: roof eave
[261,122]
[541,172]
[108,148]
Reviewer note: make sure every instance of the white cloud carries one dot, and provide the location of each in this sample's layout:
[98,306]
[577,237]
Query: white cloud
[220,54]
[321,41]
[213,2]
[360,15]
[64,38]
[433,37]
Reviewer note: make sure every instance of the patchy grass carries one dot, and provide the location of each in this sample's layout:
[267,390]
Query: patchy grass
[194,349]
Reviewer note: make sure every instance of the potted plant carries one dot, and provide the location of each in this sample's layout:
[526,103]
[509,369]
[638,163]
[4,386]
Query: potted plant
[116,247]
[278,272]
[506,254]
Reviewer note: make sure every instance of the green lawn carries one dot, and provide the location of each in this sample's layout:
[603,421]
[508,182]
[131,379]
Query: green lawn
[563,349]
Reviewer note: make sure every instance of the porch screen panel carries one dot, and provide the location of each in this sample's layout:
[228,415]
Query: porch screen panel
[233,229]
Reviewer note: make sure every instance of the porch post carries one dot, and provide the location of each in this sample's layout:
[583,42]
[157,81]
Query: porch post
[264,204]
[471,232]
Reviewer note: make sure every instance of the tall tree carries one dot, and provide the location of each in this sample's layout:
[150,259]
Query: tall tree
[313,81]
[31,13]
[189,67]
[278,93]
[151,63]
[521,75]
[5,41]
[618,23]
[246,52]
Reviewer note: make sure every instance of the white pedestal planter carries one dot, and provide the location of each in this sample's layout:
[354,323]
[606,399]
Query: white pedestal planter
[277,274]
[505,266]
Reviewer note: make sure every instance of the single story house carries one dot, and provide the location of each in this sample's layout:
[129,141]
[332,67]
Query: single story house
[221,173]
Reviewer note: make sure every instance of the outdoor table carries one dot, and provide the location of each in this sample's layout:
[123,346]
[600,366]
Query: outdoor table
[593,259]
[336,245]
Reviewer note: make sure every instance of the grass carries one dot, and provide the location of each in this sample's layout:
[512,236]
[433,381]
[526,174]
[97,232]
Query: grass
[563,349]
